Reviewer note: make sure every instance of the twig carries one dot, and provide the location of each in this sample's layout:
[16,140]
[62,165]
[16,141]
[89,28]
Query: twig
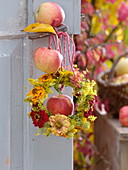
[113,30]
[101,157]
[93,3]
[98,45]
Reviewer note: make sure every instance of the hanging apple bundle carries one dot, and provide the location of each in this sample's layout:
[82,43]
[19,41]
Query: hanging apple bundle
[49,60]
[49,17]
[59,116]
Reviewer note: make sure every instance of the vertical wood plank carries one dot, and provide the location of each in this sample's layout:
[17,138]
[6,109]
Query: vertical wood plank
[124,154]
[11,102]
[107,143]
[111,139]
[4,112]
[50,153]
[26,108]
[16,119]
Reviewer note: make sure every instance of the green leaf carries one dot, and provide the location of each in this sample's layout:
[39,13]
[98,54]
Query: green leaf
[108,63]
[58,89]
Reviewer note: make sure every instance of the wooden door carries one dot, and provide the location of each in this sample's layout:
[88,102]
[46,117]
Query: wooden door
[20,148]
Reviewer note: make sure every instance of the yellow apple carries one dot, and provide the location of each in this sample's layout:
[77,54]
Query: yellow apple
[120,79]
[122,67]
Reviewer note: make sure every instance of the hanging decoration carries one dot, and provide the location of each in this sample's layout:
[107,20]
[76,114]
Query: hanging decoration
[57,114]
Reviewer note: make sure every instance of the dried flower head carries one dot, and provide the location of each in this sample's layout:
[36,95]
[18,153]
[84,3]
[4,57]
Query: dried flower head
[45,77]
[60,124]
[36,94]
[39,118]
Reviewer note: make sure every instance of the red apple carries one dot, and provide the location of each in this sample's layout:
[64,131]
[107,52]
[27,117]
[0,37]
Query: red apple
[123,116]
[50,13]
[61,104]
[47,60]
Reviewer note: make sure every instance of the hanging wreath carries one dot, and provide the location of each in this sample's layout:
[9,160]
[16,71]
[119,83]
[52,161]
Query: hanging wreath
[58,115]
[62,124]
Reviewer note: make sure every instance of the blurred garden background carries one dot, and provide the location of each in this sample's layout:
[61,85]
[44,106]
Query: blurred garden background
[103,38]
[101,51]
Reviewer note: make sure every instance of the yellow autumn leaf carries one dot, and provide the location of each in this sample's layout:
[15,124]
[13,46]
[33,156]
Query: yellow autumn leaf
[96,25]
[112,13]
[99,3]
[88,1]
[37,27]
[120,34]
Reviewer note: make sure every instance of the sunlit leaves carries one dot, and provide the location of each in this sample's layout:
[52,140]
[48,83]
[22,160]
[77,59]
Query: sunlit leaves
[96,25]
[119,34]
[99,3]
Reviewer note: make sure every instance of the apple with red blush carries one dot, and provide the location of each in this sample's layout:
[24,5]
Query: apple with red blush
[60,104]
[47,60]
[50,13]
[123,116]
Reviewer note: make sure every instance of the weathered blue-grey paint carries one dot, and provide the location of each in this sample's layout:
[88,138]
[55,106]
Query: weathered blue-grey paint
[13,16]
[4,109]
[44,153]
[20,148]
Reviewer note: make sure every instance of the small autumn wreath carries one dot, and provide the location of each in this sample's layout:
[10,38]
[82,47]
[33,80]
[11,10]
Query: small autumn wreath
[62,124]
[58,115]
